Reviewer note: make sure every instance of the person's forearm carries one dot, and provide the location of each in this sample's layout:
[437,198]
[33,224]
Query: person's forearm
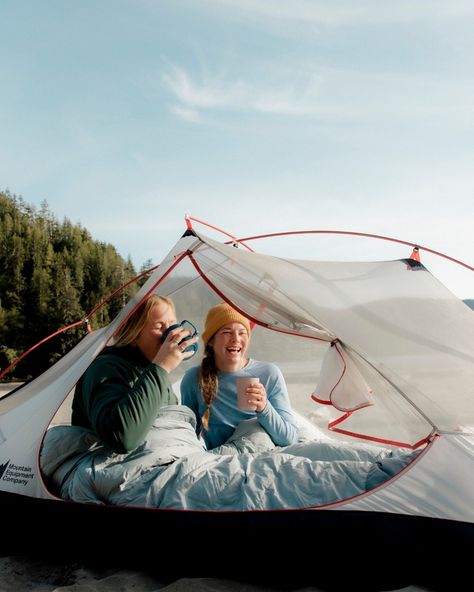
[282,432]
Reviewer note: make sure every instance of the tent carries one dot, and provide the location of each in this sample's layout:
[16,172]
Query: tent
[377,351]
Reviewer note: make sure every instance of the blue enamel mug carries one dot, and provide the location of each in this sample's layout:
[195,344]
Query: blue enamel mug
[193,332]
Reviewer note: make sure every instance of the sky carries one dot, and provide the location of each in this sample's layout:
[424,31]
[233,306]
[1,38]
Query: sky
[256,116]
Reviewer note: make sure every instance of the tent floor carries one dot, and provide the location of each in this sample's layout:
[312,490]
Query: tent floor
[292,548]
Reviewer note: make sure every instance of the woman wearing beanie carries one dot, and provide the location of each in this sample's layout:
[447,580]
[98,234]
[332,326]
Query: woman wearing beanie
[210,389]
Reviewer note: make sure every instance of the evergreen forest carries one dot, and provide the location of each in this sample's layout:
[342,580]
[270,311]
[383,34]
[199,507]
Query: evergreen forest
[52,274]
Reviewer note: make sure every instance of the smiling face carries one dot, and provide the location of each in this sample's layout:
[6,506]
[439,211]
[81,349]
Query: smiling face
[160,317]
[230,345]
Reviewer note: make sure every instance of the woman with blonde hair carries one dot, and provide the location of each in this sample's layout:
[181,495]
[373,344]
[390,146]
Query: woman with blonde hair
[119,395]
[210,389]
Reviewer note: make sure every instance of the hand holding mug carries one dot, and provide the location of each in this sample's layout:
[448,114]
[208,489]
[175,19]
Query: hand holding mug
[178,344]
[251,394]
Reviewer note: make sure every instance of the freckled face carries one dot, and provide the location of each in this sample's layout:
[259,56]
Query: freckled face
[230,345]
[160,318]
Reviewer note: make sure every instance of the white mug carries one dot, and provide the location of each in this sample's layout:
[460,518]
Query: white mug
[242,400]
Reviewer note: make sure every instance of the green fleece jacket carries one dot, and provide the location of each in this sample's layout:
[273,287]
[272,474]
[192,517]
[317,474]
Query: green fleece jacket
[119,395]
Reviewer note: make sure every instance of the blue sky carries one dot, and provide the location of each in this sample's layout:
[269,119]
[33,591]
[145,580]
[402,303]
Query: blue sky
[254,115]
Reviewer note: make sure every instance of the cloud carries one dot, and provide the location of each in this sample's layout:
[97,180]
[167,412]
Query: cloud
[312,89]
[216,93]
[219,93]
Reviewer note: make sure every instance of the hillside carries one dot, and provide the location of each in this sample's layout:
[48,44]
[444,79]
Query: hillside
[52,274]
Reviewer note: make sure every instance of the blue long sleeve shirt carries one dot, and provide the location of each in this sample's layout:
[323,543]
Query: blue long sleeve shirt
[277,417]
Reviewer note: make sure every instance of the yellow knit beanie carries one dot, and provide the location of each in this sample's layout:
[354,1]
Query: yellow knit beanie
[221,315]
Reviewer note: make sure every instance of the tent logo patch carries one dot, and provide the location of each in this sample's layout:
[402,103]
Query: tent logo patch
[3,468]
[18,474]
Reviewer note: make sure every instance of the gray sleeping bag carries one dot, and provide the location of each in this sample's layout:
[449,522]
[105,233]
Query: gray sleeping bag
[172,468]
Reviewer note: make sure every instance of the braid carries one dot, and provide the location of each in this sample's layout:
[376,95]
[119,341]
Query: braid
[208,383]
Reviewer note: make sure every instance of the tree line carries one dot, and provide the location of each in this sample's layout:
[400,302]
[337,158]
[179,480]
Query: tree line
[52,274]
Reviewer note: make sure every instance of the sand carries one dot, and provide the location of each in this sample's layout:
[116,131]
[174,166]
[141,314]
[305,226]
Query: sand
[18,574]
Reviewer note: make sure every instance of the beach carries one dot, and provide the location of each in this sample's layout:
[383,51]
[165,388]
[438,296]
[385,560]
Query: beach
[21,574]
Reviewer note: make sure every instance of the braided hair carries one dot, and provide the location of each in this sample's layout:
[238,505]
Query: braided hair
[208,383]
